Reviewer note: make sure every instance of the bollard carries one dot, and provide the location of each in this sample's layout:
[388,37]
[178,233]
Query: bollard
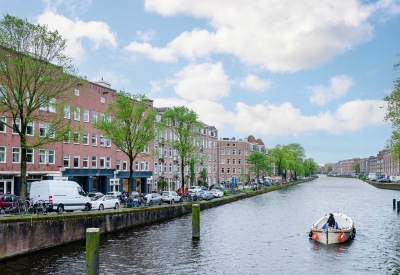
[195,221]
[398,206]
[394,203]
[92,251]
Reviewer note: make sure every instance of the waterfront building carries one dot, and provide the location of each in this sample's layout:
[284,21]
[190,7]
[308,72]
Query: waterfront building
[85,156]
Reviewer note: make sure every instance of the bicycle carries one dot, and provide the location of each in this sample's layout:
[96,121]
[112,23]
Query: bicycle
[18,207]
[38,207]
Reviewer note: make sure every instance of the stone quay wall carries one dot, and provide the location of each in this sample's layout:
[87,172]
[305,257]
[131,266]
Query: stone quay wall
[26,234]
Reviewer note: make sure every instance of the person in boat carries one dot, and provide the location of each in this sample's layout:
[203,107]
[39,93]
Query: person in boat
[331,221]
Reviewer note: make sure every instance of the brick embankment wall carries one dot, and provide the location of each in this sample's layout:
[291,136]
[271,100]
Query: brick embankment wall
[25,234]
[390,186]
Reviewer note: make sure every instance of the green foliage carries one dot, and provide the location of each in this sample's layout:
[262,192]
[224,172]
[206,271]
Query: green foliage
[185,125]
[258,163]
[162,184]
[362,177]
[129,124]
[35,73]
[330,168]
[356,166]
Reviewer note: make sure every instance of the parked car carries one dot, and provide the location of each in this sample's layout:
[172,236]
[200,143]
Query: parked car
[217,193]
[95,195]
[152,199]
[115,193]
[107,201]
[135,194]
[170,197]
[7,200]
[193,189]
[208,195]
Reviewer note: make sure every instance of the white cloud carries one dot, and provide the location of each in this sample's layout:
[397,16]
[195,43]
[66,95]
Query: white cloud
[146,35]
[272,120]
[201,81]
[254,83]
[338,88]
[75,30]
[154,53]
[284,36]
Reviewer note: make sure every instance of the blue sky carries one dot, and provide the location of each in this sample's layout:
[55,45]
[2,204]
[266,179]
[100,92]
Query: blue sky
[310,72]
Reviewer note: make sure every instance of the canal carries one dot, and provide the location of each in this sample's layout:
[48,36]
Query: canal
[265,234]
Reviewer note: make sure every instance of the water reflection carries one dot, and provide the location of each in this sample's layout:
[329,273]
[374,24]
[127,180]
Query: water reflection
[267,234]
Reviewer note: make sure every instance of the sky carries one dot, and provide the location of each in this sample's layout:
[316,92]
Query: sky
[312,72]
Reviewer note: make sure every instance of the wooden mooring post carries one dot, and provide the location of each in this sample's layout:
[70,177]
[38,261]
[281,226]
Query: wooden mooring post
[92,251]
[394,203]
[398,206]
[195,221]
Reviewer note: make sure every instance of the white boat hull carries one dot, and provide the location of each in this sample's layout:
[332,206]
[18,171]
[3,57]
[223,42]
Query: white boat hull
[344,232]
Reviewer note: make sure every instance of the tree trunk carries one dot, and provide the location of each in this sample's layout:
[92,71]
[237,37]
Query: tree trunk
[130,180]
[183,177]
[23,162]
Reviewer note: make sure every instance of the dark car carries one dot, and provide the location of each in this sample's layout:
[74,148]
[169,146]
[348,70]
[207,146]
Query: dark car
[7,200]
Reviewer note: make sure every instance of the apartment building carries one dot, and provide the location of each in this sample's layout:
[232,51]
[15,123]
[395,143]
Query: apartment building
[91,160]
[232,156]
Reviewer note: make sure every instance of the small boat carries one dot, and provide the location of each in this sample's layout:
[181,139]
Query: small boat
[343,231]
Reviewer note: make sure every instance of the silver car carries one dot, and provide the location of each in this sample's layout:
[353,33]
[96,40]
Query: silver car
[152,199]
[171,197]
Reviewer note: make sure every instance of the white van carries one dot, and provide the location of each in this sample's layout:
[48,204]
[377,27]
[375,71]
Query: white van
[60,195]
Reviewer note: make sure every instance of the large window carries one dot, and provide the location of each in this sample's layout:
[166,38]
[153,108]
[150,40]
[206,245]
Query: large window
[94,161]
[108,162]
[102,162]
[67,111]
[46,157]
[94,139]
[16,155]
[66,161]
[86,115]
[29,128]
[51,156]
[42,129]
[124,166]
[29,156]
[76,161]
[16,126]
[85,162]
[2,154]
[102,141]
[85,138]
[77,114]
[94,116]
[2,124]
[118,165]
[76,138]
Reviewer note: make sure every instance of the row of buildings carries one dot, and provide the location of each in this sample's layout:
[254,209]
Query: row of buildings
[381,164]
[97,164]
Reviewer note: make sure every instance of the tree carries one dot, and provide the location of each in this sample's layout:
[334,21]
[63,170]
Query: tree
[244,177]
[258,163]
[356,166]
[310,167]
[330,168]
[35,75]
[129,124]
[184,123]
[281,156]
[296,162]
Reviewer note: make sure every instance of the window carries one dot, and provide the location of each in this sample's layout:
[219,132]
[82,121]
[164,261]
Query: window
[170,152]
[94,139]
[76,161]
[42,129]
[108,162]
[51,156]
[76,92]
[222,161]
[142,166]
[16,155]
[66,161]
[2,154]
[239,152]
[234,144]
[67,112]
[223,170]
[239,161]
[86,115]
[222,151]
[233,152]
[102,162]
[52,105]
[48,106]
[16,126]
[85,162]
[118,165]
[102,141]
[228,152]
[228,170]
[165,168]
[29,156]
[124,165]
[108,142]
[85,137]
[102,100]
[77,114]
[76,138]
[228,161]
[136,166]
[227,144]
[170,168]
[29,128]
[2,124]
[94,116]
[67,137]
[233,161]
[234,170]
[94,162]
[155,166]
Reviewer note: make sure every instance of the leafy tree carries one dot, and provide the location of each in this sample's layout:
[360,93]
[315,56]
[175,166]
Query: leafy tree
[244,177]
[282,157]
[35,74]
[184,123]
[162,184]
[129,124]
[330,168]
[258,163]
[310,167]
[356,166]
[296,161]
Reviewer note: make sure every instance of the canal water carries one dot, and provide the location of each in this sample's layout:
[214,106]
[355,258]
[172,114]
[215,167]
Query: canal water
[265,234]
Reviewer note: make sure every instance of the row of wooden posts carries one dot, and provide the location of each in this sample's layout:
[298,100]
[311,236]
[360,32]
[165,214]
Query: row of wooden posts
[93,242]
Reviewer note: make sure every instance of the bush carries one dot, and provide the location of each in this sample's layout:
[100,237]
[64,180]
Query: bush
[361,177]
